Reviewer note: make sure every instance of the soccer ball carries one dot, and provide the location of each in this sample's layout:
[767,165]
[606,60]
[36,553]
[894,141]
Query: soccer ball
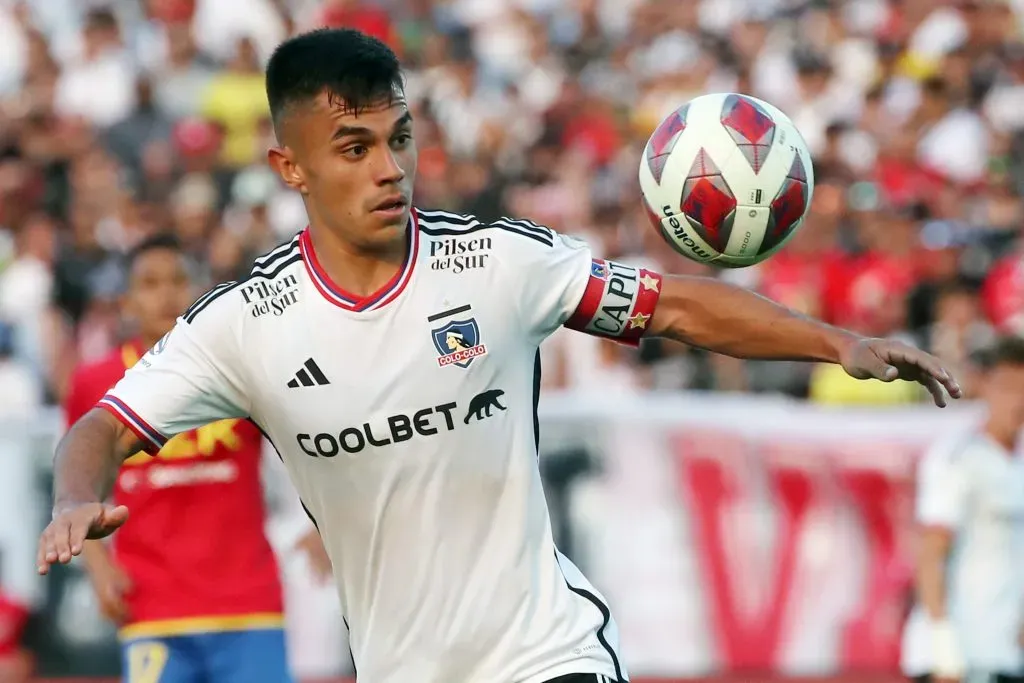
[726,179]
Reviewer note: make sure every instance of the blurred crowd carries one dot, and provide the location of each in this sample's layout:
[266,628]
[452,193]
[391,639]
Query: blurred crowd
[123,118]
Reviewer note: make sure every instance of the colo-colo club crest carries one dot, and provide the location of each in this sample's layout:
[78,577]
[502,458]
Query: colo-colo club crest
[458,343]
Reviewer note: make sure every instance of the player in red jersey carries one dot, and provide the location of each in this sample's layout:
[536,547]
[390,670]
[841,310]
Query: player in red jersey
[191,580]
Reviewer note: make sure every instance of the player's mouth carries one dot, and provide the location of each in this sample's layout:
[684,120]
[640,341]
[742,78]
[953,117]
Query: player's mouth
[392,207]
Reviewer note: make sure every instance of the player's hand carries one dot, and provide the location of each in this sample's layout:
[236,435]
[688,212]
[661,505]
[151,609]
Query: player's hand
[889,360]
[111,584]
[312,546]
[63,538]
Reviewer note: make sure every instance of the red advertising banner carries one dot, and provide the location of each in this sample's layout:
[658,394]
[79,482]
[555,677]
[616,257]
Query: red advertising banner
[751,534]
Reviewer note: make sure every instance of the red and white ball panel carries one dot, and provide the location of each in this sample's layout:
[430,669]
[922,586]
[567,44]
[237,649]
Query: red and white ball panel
[726,178]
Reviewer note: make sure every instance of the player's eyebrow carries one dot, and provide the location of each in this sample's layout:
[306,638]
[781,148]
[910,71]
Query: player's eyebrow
[361,131]
[403,121]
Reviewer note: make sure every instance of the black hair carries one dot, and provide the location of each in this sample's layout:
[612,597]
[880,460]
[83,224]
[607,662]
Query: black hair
[1007,351]
[957,286]
[101,18]
[355,69]
[935,86]
[157,242]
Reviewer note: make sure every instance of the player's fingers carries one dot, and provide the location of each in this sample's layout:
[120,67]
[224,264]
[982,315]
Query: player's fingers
[78,533]
[114,517]
[106,522]
[879,367]
[928,363]
[62,541]
[938,372]
[45,554]
[936,390]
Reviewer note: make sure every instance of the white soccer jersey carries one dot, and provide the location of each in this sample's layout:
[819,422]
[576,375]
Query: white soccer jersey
[407,421]
[975,488]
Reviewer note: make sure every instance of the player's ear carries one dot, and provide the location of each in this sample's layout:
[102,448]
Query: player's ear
[282,160]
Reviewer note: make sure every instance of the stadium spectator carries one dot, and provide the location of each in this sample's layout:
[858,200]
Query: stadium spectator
[121,121]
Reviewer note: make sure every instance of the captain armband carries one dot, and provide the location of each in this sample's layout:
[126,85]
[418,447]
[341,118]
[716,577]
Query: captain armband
[618,302]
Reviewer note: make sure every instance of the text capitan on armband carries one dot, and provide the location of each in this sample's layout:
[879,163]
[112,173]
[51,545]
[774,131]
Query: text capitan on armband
[619,296]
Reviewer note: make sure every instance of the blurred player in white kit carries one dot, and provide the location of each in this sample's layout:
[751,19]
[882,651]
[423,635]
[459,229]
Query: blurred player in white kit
[967,624]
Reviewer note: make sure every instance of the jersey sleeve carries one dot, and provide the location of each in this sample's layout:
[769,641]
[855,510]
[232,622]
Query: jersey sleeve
[191,377]
[942,488]
[566,285]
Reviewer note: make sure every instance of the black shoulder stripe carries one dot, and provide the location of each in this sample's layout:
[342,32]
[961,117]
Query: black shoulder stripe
[453,231]
[276,253]
[272,261]
[221,290]
[214,292]
[529,226]
[547,240]
[449,224]
[261,262]
[457,232]
[437,216]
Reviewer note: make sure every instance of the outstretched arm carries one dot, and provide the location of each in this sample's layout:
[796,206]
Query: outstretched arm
[192,378]
[88,458]
[730,320]
[562,284]
[84,470]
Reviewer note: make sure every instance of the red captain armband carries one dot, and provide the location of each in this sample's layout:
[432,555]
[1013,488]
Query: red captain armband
[618,302]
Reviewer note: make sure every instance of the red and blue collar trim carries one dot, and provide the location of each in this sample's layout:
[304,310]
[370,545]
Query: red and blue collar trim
[350,302]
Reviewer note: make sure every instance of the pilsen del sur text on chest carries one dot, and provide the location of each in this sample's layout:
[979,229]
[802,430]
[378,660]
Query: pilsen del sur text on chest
[458,254]
[271,297]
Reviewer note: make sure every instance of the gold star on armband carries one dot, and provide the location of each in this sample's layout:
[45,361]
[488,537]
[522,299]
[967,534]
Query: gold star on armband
[638,320]
[648,282]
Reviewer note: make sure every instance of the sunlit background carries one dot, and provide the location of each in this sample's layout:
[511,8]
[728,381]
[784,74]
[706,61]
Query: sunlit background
[740,517]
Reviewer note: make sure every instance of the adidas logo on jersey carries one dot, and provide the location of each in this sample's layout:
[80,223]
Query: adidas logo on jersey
[310,375]
[402,427]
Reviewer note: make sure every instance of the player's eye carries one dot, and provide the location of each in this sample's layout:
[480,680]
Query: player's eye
[401,140]
[355,151]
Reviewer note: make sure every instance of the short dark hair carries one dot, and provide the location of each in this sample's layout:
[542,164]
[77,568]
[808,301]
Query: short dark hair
[102,18]
[157,242]
[1007,351]
[352,67]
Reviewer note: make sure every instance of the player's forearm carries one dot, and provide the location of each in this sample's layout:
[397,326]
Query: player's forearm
[931,576]
[733,321]
[88,458]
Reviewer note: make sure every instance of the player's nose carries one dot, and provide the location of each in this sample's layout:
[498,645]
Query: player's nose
[389,170]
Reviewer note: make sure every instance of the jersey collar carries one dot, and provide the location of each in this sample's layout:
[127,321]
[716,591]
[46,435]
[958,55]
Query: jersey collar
[351,302]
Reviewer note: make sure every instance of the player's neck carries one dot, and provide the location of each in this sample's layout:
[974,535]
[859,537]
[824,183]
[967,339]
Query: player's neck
[147,340]
[358,271]
[1004,435]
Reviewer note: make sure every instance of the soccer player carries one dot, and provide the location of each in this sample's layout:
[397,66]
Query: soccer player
[192,582]
[391,354]
[968,621]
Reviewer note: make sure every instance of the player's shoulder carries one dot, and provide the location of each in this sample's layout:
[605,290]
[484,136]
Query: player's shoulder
[506,235]
[951,451]
[273,276]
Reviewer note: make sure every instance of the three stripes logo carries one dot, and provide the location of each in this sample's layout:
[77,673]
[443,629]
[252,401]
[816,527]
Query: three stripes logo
[309,376]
